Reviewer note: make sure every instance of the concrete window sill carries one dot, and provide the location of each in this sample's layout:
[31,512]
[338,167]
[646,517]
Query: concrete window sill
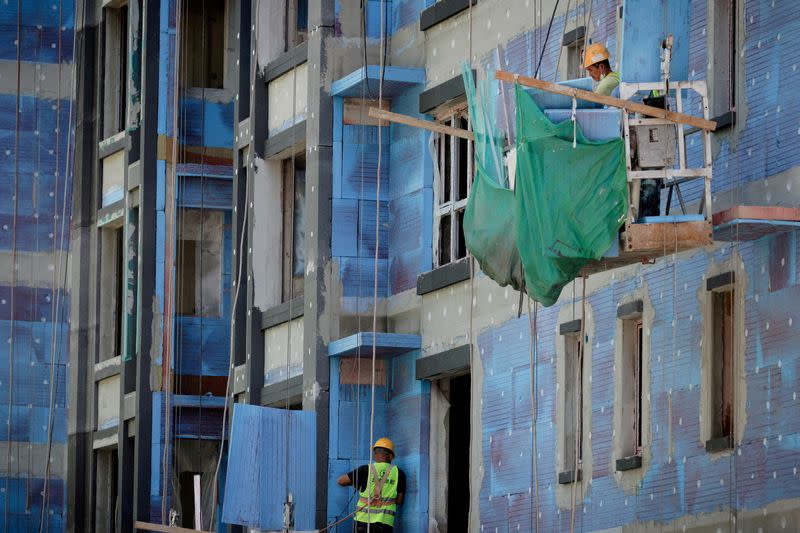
[569,476]
[719,444]
[629,463]
[441,11]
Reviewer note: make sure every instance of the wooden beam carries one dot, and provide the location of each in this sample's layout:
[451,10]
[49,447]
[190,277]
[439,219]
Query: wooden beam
[627,105]
[374,112]
[146,526]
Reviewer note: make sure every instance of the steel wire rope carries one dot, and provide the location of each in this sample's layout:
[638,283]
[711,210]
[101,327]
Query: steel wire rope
[546,38]
[578,407]
[291,182]
[56,297]
[181,121]
[34,279]
[377,248]
[171,272]
[238,280]
[14,266]
[533,349]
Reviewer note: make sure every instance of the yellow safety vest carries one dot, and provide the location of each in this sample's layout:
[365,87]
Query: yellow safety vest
[378,501]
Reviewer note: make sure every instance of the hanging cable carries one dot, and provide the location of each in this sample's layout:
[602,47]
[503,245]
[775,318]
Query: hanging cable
[532,366]
[546,38]
[14,266]
[238,281]
[578,407]
[59,277]
[377,246]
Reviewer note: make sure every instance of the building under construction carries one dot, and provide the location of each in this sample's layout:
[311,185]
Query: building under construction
[244,239]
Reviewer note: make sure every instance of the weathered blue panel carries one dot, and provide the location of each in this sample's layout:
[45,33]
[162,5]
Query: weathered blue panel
[258,484]
[646,23]
[206,123]
[202,345]
[205,192]
[344,228]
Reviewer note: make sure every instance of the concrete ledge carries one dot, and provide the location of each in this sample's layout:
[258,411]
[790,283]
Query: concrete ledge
[284,143]
[629,463]
[275,394]
[573,35]
[105,438]
[107,368]
[279,314]
[441,11]
[568,476]
[716,282]
[240,379]
[719,444]
[129,406]
[111,215]
[444,92]
[630,310]
[287,61]
[444,276]
[573,326]
[112,145]
[386,344]
[448,363]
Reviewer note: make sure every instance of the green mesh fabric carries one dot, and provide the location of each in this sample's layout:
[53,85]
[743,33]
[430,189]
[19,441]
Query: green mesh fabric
[490,217]
[567,207]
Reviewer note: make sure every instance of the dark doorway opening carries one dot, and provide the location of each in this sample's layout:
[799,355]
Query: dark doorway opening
[458,443]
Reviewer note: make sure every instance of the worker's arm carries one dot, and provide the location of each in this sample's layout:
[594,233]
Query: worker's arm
[344,480]
[400,497]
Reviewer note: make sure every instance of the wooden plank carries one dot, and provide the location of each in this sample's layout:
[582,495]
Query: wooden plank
[146,526]
[667,237]
[374,112]
[627,105]
[766,212]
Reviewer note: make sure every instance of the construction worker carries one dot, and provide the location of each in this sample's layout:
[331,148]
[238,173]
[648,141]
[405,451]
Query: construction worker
[595,61]
[381,487]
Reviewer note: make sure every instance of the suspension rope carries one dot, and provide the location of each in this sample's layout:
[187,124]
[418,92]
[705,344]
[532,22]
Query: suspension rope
[238,281]
[10,423]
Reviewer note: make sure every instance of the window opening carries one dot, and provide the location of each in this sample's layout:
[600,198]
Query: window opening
[573,402]
[457,391]
[722,364]
[294,201]
[724,58]
[296,23]
[106,488]
[204,43]
[455,172]
[119,290]
[116,70]
[631,374]
[199,262]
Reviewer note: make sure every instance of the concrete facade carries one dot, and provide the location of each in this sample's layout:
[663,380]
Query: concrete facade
[240,228]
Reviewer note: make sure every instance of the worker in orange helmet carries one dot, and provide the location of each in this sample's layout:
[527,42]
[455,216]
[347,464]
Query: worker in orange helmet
[596,63]
[381,488]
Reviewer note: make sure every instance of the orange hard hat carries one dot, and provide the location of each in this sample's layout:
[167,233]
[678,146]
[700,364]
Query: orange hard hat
[595,53]
[383,442]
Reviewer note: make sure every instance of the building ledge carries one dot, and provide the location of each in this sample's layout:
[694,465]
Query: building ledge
[719,444]
[449,363]
[386,344]
[441,11]
[366,81]
[747,222]
[443,276]
[629,463]
[569,476]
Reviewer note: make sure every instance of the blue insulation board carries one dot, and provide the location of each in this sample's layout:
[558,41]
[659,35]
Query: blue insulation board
[272,452]
[35,179]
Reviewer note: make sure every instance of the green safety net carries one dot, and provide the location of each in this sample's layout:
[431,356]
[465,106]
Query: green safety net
[569,201]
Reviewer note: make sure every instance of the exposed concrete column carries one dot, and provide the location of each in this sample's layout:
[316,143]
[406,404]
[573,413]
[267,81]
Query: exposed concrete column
[319,151]
[80,497]
[135,458]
